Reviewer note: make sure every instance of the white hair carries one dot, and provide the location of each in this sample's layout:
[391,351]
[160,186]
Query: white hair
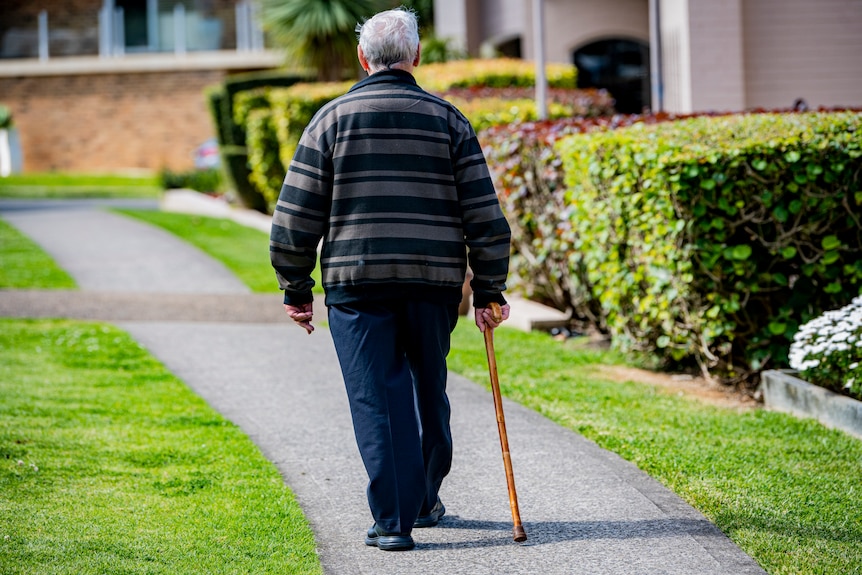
[389,38]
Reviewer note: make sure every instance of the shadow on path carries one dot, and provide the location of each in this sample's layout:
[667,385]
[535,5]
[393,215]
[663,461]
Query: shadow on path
[546,532]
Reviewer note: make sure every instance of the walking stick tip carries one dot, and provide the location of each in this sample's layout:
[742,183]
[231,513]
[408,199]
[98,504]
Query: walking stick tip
[519,534]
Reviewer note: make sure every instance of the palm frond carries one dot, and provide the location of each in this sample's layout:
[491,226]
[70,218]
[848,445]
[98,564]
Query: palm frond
[315,32]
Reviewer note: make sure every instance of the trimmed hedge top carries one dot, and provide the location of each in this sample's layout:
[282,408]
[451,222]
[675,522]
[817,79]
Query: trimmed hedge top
[492,73]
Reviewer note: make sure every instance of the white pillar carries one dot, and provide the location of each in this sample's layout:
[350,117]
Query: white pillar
[179,29]
[656,71]
[43,35]
[539,48]
[256,32]
[119,33]
[5,154]
[153,25]
[242,27]
[106,29]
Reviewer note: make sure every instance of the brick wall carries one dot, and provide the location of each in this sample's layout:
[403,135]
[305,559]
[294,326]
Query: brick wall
[66,13]
[110,122]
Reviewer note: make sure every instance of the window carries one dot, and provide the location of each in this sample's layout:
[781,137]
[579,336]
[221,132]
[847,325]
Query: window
[135,24]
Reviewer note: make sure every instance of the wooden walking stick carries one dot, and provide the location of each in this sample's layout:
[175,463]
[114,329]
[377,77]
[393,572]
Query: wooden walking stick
[518,533]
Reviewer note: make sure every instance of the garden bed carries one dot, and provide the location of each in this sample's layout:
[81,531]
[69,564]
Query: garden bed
[782,391]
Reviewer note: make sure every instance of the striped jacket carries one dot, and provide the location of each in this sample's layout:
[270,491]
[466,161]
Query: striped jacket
[395,183]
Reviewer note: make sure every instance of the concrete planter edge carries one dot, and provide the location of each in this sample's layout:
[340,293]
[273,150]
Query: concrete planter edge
[783,391]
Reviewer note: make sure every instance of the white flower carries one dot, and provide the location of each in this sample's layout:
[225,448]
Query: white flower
[821,347]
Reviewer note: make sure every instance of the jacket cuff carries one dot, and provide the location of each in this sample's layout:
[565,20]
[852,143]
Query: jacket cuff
[297,298]
[483,300]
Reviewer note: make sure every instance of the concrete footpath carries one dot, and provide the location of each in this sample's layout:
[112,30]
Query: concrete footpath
[585,510]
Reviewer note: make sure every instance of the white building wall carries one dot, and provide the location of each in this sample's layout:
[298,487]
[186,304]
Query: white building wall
[809,49]
[724,55]
[569,24]
[716,55]
[503,20]
[450,21]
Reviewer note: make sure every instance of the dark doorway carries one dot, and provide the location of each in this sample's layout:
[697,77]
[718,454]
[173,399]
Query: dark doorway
[510,48]
[619,66]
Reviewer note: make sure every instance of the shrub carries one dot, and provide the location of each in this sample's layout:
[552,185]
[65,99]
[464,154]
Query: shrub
[711,240]
[492,73]
[266,172]
[827,350]
[208,180]
[237,84]
[488,107]
[235,161]
[275,119]
[439,51]
[294,107]
[529,179]
[222,100]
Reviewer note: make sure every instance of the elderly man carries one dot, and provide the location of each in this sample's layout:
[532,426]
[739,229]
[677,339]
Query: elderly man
[393,180]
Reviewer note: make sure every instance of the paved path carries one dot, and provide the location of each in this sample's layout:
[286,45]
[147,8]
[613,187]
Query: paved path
[586,511]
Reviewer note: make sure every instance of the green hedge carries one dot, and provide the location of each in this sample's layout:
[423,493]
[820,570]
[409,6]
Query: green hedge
[222,101]
[529,179]
[207,180]
[275,119]
[711,240]
[492,73]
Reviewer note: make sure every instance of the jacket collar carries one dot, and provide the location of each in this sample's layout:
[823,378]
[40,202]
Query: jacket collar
[386,77]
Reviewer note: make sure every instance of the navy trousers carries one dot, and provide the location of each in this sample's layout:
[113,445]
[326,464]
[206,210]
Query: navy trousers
[393,359]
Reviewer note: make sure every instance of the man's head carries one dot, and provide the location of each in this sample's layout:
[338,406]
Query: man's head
[389,39]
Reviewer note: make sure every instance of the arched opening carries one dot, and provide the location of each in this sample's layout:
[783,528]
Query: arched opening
[619,66]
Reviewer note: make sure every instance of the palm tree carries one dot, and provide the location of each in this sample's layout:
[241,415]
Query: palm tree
[424,10]
[319,33]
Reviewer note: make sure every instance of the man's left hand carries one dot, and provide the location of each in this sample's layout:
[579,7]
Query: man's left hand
[485,318]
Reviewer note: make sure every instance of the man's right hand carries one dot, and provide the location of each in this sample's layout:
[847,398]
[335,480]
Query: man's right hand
[301,315]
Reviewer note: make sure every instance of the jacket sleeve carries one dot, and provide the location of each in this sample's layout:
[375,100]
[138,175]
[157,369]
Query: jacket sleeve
[299,220]
[486,230]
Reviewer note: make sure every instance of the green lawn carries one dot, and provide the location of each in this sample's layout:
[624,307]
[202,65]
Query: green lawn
[786,491]
[243,250]
[23,264]
[59,185]
[110,465]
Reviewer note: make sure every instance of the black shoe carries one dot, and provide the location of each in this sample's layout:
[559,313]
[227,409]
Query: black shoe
[433,518]
[388,541]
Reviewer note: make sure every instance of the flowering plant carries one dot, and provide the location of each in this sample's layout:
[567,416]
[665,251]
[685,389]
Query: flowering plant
[827,350]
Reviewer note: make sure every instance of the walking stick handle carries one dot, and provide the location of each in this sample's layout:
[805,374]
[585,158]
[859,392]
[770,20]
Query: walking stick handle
[518,533]
[496,311]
